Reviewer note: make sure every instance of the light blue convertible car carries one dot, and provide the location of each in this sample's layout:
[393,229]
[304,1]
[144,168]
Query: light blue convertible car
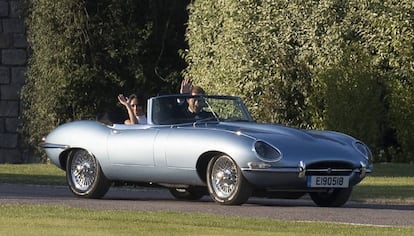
[225,154]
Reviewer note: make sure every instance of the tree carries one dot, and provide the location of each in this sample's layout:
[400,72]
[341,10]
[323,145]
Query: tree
[84,53]
[340,65]
[372,39]
[251,49]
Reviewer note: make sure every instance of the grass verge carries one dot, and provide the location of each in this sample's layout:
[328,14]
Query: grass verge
[46,174]
[49,220]
[389,183]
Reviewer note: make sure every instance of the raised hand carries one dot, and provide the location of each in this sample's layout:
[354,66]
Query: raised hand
[186,85]
[124,101]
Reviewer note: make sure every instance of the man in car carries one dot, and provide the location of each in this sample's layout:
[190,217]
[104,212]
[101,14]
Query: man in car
[193,107]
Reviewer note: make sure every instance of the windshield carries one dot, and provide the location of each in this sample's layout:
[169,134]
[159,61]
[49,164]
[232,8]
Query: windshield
[178,109]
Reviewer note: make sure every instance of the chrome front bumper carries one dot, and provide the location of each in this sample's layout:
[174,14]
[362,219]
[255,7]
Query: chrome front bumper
[52,145]
[301,169]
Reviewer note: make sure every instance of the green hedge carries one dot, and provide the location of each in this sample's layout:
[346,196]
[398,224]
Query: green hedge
[350,99]
[248,48]
[84,53]
[339,65]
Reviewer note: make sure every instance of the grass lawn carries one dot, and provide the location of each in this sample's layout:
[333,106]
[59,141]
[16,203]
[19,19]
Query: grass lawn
[393,183]
[32,174]
[49,220]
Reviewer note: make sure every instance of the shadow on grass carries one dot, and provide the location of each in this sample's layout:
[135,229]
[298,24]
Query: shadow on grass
[393,170]
[32,179]
[384,191]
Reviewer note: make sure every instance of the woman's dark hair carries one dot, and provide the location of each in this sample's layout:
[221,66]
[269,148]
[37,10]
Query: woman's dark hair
[141,100]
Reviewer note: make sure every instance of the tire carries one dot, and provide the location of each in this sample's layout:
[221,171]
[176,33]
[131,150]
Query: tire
[332,198]
[226,184]
[84,175]
[189,193]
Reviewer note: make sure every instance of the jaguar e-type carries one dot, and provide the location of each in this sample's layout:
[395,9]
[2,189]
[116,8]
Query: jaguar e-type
[224,154]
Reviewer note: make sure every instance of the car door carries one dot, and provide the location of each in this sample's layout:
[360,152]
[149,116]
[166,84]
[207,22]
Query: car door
[186,144]
[132,145]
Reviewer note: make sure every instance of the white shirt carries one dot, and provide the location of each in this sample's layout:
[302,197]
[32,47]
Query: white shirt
[142,120]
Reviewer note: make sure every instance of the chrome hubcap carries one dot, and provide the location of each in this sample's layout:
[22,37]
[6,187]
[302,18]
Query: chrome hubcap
[83,170]
[224,177]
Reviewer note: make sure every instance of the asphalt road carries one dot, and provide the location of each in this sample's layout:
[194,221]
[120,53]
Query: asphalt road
[155,199]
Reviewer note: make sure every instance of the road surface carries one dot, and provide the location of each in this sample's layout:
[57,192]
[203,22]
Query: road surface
[156,199]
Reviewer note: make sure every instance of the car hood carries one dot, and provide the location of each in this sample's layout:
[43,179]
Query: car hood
[297,143]
[266,131]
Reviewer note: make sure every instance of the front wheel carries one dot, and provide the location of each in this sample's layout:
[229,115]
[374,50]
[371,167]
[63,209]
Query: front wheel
[331,198]
[84,175]
[226,183]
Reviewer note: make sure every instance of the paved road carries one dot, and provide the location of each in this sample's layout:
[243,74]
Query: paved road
[148,199]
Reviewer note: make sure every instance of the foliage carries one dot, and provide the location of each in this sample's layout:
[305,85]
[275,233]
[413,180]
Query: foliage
[249,48]
[345,65]
[340,65]
[50,95]
[84,53]
[352,99]
[380,34]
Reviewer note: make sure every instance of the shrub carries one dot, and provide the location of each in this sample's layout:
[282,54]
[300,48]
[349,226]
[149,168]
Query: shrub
[341,65]
[84,53]
[351,96]
[250,48]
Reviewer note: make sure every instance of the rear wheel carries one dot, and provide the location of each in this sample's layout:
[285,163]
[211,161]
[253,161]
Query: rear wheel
[331,198]
[188,193]
[84,175]
[226,183]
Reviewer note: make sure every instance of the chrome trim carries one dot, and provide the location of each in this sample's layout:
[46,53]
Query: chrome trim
[53,145]
[262,159]
[278,170]
[368,155]
[302,169]
[367,171]
[258,165]
[363,170]
[302,173]
[330,170]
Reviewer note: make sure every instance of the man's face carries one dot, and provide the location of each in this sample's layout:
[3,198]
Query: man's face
[195,104]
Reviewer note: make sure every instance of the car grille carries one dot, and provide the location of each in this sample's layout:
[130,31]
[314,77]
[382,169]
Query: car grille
[329,168]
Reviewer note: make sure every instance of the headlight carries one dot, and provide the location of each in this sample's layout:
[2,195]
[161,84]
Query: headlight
[363,149]
[266,152]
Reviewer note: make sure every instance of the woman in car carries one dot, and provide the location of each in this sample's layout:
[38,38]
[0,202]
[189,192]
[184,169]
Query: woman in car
[135,109]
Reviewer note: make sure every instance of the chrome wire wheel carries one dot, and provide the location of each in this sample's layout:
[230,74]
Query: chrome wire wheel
[84,175]
[224,177]
[225,181]
[83,170]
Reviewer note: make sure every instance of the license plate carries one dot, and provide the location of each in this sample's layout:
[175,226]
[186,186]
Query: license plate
[327,181]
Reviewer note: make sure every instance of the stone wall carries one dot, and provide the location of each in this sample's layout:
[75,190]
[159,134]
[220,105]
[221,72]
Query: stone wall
[13,60]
